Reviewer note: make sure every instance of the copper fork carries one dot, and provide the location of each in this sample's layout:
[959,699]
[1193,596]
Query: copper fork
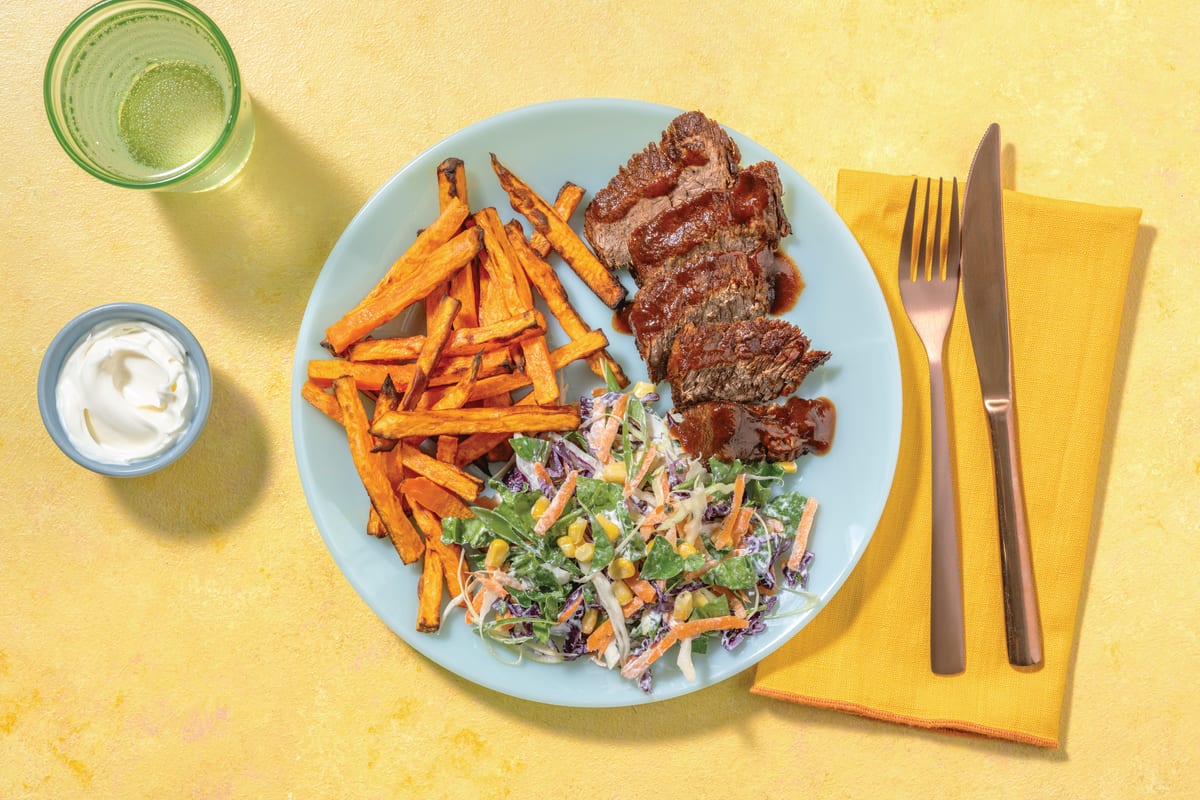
[929,289]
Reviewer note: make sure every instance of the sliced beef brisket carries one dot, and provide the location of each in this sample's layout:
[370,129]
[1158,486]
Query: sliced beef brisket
[745,361]
[711,287]
[757,432]
[694,155]
[746,216]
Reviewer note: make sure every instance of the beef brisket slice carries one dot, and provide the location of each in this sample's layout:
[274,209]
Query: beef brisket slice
[767,432]
[746,216]
[746,361]
[712,287]
[694,155]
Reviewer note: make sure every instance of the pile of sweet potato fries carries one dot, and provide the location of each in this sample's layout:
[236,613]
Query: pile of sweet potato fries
[445,399]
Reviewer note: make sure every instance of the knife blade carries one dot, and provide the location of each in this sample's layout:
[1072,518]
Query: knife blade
[985,298]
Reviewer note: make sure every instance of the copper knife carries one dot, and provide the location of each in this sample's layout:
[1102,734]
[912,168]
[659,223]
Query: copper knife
[985,297]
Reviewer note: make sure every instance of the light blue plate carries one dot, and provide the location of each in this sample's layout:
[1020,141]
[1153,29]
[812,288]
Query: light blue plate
[585,141]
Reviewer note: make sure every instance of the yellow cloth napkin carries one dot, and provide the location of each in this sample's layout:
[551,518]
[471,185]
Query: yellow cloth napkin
[868,651]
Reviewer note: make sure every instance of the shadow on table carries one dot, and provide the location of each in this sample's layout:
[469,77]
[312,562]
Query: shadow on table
[259,241]
[725,706]
[213,484]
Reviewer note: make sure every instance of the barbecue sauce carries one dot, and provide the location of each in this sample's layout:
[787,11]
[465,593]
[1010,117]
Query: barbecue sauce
[786,281]
[620,318]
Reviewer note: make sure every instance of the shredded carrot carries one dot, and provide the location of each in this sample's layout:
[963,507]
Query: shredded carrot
[741,526]
[800,542]
[725,537]
[555,509]
[540,470]
[685,630]
[603,635]
[571,608]
[650,520]
[643,589]
[609,434]
[647,462]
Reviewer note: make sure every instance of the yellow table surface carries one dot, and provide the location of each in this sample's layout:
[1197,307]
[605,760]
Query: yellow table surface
[189,635]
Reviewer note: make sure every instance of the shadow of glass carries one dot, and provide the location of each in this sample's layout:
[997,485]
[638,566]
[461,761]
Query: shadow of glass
[215,483]
[259,240]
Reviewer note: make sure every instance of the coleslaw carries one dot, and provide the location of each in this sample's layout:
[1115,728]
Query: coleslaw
[612,543]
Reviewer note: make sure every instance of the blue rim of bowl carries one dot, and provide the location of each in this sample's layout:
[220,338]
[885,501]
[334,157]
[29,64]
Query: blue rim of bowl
[61,346]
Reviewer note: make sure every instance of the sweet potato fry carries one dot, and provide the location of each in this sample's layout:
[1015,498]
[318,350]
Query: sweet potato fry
[561,236]
[452,182]
[480,444]
[442,473]
[501,260]
[371,471]
[492,386]
[536,419]
[462,342]
[420,279]
[503,267]
[447,448]
[370,375]
[322,400]
[568,199]
[435,498]
[439,326]
[429,593]
[443,229]
[452,185]
[450,554]
[542,276]
[458,394]
[464,287]
[388,400]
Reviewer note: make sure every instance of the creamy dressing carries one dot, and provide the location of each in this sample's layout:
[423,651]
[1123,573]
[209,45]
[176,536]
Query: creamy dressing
[126,392]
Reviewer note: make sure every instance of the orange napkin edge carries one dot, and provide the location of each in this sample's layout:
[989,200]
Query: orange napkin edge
[867,652]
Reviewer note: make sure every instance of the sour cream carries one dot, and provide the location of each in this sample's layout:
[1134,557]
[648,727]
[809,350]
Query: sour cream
[126,392]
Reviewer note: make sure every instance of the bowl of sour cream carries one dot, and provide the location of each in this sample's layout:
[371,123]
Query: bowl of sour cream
[124,389]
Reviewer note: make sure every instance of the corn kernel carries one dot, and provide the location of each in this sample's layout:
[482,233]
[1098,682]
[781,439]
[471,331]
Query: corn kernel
[496,553]
[685,549]
[787,466]
[539,507]
[701,598]
[621,568]
[683,606]
[576,530]
[566,545]
[585,551]
[642,388]
[611,529]
[614,472]
[622,592]
[590,618]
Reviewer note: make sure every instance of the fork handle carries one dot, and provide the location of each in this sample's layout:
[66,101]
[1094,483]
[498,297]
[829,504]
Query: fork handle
[1023,630]
[947,644]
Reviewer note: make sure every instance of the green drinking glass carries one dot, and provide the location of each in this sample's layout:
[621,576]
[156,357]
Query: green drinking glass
[146,94]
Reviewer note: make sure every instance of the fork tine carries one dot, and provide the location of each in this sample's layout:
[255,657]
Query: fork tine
[935,267]
[906,265]
[954,242]
[922,269]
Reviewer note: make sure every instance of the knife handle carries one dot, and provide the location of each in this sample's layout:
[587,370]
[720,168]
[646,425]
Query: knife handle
[1022,626]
